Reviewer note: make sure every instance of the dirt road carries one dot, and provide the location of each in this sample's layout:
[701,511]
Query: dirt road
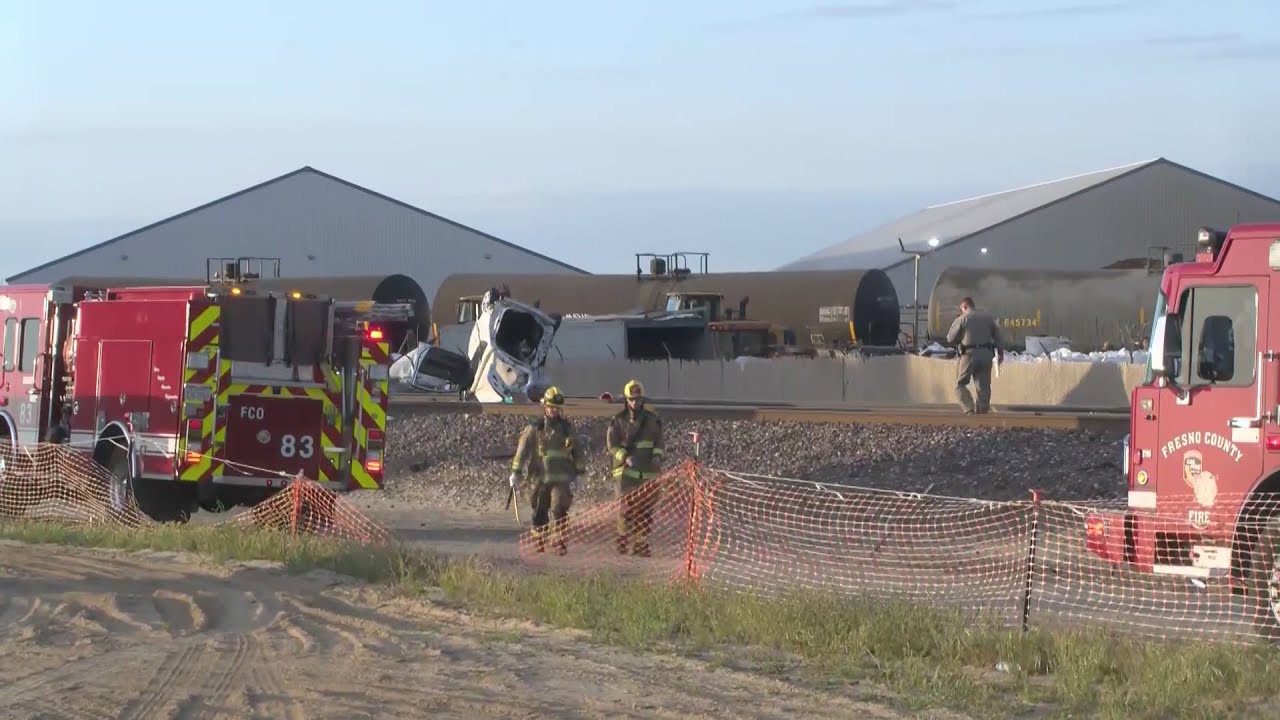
[88,634]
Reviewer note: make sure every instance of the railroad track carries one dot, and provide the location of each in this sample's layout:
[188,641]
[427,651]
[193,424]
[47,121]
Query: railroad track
[1003,417]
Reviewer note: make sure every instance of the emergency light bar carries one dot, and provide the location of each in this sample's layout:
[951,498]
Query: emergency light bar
[1210,241]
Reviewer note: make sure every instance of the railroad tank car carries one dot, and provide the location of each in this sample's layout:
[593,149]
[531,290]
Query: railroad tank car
[820,306]
[1091,308]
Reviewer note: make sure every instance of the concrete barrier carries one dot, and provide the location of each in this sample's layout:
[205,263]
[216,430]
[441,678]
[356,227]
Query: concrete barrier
[852,381]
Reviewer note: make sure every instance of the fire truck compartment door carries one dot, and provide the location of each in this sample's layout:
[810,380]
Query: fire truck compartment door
[124,383]
[268,435]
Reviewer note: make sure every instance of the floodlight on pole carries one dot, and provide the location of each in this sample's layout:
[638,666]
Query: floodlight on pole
[915,287]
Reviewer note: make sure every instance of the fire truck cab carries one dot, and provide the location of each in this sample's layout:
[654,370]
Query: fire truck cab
[1202,457]
[200,396]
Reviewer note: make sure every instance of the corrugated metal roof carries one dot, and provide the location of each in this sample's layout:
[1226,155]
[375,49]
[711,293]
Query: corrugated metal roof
[949,222]
[305,170]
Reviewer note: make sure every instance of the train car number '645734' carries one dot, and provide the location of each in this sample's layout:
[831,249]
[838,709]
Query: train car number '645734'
[1019,322]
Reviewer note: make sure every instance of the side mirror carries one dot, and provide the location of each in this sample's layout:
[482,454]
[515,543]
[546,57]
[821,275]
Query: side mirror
[1166,342]
[1157,349]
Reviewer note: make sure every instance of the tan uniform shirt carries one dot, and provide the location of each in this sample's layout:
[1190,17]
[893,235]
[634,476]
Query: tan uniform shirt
[976,328]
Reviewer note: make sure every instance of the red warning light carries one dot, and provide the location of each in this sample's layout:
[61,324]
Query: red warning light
[375,333]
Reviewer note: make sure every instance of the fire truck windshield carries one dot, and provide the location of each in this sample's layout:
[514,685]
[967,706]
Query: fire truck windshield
[1160,310]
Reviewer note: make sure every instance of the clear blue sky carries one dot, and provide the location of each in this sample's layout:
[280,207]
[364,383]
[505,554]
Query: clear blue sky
[757,130]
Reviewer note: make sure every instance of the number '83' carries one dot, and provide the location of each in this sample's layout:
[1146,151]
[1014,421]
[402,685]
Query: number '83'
[303,446]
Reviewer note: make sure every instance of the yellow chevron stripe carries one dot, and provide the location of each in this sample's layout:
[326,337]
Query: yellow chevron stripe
[193,472]
[371,408]
[202,321]
[363,478]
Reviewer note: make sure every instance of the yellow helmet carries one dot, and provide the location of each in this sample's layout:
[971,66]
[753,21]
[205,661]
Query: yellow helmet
[633,389]
[552,396]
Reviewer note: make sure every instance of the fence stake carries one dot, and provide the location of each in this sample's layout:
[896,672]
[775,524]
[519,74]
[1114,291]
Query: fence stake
[1029,576]
[695,499]
[295,516]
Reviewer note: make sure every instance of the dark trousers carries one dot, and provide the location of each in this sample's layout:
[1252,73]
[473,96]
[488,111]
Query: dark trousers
[636,502]
[975,365]
[550,500]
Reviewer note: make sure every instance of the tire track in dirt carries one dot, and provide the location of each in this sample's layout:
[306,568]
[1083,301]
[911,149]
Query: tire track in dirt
[267,696]
[68,677]
[190,641]
[178,669]
[18,612]
[231,667]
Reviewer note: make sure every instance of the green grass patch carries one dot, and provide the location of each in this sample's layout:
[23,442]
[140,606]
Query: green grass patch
[391,566]
[925,657]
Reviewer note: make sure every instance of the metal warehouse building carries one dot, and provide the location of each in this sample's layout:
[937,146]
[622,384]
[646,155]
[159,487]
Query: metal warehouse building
[317,224]
[1085,222]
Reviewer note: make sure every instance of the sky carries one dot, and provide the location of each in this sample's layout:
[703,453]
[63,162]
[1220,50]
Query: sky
[757,130]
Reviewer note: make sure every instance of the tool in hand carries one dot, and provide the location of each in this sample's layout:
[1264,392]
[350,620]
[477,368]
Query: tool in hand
[511,494]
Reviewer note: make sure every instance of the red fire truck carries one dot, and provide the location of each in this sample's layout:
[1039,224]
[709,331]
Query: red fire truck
[204,395]
[1203,453]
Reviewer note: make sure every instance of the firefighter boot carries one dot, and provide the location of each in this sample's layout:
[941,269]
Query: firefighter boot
[622,544]
[641,548]
[540,539]
[557,534]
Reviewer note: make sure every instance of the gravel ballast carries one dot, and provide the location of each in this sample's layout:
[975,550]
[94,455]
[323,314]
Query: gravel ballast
[461,460]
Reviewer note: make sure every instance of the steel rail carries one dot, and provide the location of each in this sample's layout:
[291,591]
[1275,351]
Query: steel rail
[1002,417]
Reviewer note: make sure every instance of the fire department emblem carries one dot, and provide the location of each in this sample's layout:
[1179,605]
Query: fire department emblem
[264,437]
[1203,483]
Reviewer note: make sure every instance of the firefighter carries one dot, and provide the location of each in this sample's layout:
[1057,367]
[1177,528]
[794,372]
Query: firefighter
[635,446]
[549,447]
[976,334]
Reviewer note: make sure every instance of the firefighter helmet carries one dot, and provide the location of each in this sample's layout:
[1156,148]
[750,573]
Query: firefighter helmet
[633,389]
[552,396]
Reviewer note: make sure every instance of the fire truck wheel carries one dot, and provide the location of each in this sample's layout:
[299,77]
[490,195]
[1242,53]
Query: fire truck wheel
[120,496]
[162,501]
[17,482]
[1265,590]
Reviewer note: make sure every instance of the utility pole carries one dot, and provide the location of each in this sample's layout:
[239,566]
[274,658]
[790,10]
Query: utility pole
[915,290]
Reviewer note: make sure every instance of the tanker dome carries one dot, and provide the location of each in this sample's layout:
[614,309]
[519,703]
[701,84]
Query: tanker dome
[800,300]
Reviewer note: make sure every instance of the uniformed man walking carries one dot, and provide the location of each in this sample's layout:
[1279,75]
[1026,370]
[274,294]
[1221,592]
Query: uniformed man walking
[549,448]
[634,440]
[977,336]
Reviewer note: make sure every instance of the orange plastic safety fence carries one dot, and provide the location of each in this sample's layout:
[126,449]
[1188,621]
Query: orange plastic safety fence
[1033,563]
[1183,567]
[305,506]
[653,521]
[56,482]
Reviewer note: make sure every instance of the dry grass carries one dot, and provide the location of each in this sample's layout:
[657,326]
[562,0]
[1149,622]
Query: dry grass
[924,657]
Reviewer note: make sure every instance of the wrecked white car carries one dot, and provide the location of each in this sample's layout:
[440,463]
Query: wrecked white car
[506,354]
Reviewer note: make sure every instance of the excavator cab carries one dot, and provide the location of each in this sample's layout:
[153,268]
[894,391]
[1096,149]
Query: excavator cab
[705,304]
